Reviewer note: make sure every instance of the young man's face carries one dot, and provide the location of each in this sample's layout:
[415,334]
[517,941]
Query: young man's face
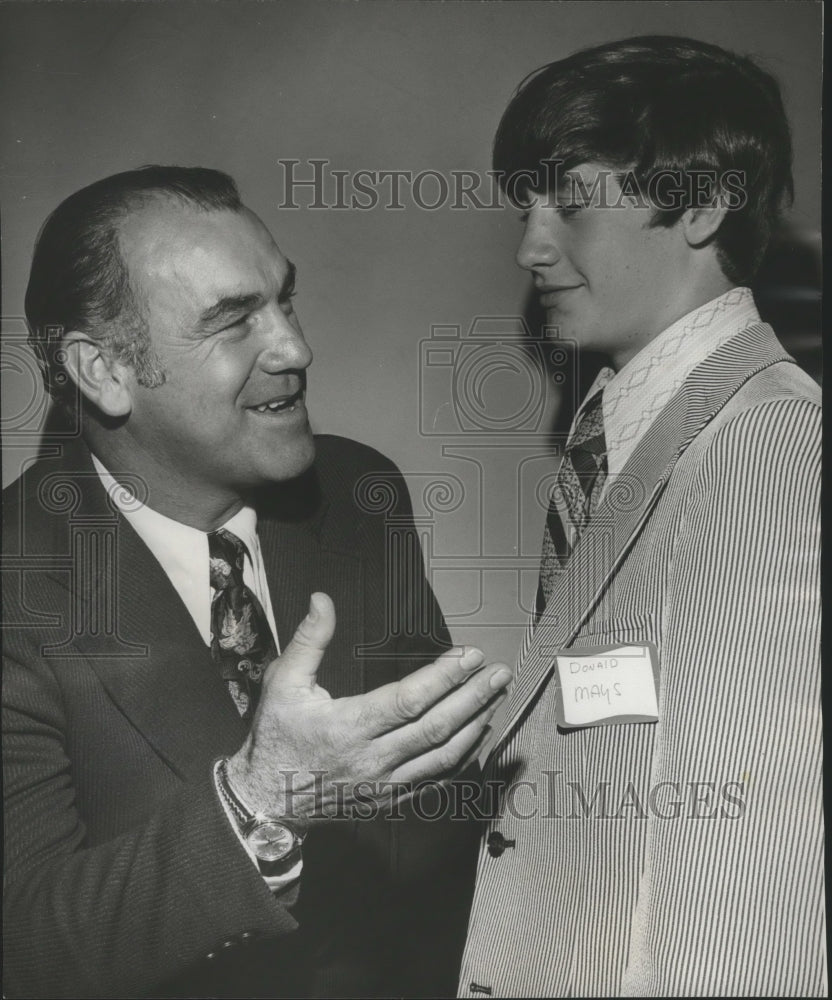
[607,280]
[216,294]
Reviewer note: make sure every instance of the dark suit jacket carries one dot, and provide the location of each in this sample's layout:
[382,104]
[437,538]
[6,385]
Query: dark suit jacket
[123,876]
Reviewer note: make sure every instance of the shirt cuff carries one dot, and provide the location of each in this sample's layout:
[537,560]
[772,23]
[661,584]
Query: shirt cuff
[277,883]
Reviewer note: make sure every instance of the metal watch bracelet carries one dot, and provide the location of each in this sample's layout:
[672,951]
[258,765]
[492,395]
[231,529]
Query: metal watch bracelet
[241,813]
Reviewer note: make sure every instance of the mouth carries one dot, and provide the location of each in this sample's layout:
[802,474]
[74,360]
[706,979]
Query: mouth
[550,294]
[280,404]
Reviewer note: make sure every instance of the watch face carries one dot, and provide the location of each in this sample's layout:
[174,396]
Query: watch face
[271,841]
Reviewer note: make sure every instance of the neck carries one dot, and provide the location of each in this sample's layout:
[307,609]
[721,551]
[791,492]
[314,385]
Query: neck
[690,296]
[167,491]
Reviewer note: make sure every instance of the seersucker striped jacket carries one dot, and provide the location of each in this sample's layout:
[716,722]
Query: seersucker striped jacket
[682,857]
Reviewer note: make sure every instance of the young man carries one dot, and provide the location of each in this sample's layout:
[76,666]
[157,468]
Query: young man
[665,723]
[162,765]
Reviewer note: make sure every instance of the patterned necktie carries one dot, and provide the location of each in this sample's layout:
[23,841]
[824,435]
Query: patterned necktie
[242,644]
[578,487]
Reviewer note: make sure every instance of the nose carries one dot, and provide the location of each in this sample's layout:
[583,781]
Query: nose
[284,346]
[539,247]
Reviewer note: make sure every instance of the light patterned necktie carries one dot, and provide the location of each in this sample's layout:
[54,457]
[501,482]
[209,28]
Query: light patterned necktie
[577,490]
[242,644]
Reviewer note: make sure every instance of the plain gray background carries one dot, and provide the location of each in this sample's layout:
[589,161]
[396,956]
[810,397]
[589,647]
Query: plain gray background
[93,88]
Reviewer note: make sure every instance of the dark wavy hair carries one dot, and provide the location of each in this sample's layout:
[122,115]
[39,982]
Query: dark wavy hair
[654,104]
[79,280]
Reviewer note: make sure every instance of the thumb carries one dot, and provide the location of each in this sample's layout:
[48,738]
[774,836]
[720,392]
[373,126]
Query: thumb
[297,666]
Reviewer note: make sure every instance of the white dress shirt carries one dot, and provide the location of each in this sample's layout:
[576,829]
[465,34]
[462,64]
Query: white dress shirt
[182,552]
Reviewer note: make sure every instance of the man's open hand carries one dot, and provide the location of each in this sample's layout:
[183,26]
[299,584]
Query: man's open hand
[306,751]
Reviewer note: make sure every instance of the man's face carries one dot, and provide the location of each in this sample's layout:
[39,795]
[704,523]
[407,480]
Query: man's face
[216,295]
[607,279]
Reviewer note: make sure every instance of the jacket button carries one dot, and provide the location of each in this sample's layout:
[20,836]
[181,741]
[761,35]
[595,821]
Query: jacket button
[497,843]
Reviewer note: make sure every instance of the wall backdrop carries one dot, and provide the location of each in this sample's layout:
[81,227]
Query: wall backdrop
[403,306]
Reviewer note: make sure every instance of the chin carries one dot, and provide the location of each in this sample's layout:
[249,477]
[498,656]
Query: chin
[289,463]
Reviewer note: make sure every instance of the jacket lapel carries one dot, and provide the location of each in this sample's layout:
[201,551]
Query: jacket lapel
[173,694]
[630,499]
[126,618]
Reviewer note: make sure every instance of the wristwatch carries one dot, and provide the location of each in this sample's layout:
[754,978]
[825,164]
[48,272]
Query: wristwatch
[272,840]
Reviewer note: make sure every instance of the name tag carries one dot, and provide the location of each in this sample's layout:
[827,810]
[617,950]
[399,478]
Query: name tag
[607,685]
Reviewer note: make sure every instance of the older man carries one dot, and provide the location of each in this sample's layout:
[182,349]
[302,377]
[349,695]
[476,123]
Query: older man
[163,765]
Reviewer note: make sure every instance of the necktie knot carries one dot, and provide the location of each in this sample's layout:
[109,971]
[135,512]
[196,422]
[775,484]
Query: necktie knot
[226,553]
[585,461]
[589,432]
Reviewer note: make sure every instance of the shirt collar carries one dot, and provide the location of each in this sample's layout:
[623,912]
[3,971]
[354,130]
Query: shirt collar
[243,524]
[181,550]
[634,396]
[178,547]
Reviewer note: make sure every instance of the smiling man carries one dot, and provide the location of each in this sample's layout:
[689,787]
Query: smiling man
[186,811]
[666,716]
[227,412]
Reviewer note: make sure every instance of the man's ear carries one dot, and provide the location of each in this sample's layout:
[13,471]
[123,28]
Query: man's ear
[700,224]
[102,379]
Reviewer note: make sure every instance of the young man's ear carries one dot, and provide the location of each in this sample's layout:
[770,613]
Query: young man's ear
[103,380]
[701,223]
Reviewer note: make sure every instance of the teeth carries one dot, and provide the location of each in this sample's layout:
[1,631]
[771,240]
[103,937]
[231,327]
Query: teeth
[275,406]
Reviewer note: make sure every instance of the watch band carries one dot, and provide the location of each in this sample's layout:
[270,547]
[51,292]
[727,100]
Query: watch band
[239,810]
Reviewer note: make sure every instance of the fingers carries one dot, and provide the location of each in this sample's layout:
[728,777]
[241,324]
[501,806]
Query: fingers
[458,752]
[461,710]
[396,704]
[482,744]
[297,666]
[474,754]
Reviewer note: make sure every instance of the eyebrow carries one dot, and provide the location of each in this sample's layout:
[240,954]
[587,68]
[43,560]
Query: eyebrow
[234,305]
[228,306]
